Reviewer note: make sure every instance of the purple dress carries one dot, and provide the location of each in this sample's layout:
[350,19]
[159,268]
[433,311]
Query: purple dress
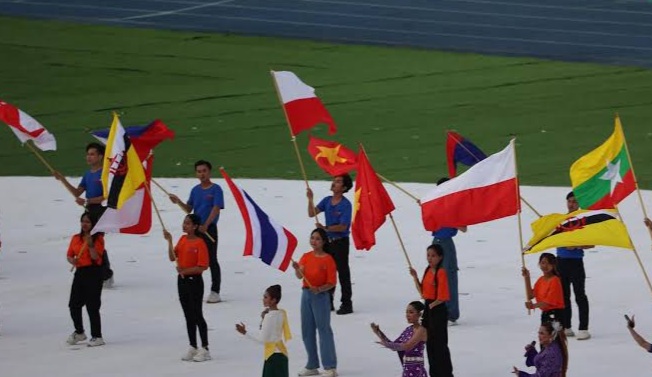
[548,362]
[412,359]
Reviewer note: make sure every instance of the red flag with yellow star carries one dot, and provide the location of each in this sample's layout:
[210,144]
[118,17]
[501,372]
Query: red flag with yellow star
[370,205]
[333,157]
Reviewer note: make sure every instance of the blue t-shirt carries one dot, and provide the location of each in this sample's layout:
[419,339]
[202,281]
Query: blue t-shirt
[203,200]
[336,215]
[570,253]
[444,233]
[92,183]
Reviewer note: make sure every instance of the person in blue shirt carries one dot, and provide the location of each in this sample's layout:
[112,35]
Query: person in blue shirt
[570,265]
[91,186]
[207,200]
[338,211]
[444,237]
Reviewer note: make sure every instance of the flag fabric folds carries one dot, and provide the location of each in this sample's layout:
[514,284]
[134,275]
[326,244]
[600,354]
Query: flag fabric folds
[579,228]
[604,177]
[371,204]
[461,150]
[122,172]
[265,239]
[303,108]
[144,138]
[27,128]
[487,191]
[333,157]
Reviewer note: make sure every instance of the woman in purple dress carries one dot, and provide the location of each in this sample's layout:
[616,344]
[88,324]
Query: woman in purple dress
[552,361]
[411,343]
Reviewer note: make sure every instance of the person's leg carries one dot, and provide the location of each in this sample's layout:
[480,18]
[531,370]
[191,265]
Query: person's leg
[321,311]
[443,363]
[196,304]
[429,322]
[565,271]
[580,295]
[76,302]
[450,265]
[185,298]
[308,329]
[94,300]
[216,272]
[341,253]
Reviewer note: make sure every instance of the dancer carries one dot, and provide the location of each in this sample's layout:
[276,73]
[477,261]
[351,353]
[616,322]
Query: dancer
[319,274]
[552,360]
[547,290]
[273,329]
[85,254]
[191,256]
[411,343]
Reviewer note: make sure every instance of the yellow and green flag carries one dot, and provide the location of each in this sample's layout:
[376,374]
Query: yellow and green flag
[604,177]
[579,228]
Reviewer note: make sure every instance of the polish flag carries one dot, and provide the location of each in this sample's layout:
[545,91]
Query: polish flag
[487,191]
[27,128]
[303,108]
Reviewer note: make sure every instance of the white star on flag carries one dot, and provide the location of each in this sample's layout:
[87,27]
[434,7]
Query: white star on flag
[613,175]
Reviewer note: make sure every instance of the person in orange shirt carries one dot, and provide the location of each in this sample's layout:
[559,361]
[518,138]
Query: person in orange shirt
[433,288]
[547,291]
[191,255]
[319,274]
[85,254]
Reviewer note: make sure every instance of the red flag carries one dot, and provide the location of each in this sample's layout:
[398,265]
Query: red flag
[303,108]
[333,157]
[27,128]
[370,206]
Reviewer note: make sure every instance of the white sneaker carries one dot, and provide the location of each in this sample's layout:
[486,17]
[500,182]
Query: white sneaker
[202,355]
[213,298]
[329,373]
[75,338]
[192,351]
[95,342]
[583,335]
[108,283]
[308,372]
[569,333]
[452,323]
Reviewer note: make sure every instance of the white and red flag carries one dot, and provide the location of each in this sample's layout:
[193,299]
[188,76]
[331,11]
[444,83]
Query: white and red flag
[303,108]
[27,128]
[487,191]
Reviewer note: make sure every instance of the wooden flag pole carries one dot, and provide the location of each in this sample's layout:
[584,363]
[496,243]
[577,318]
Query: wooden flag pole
[478,160]
[168,194]
[400,240]
[79,254]
[399,187]
[34,150]
[520,227]
[158,214]
[638,258]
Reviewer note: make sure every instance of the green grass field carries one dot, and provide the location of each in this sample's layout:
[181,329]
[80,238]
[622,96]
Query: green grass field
[215,91]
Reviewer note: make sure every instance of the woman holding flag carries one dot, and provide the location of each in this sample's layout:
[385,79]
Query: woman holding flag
[547,290]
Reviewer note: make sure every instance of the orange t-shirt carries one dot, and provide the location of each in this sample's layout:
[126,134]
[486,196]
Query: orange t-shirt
[550,292]
[77,243]
[438,290]
[191,253]
[318,270]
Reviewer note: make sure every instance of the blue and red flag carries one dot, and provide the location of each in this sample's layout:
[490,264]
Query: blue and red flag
[265,239]
[461,150]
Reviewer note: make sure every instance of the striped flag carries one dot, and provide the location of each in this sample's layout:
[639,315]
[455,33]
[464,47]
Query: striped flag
[27,128]
[266,240]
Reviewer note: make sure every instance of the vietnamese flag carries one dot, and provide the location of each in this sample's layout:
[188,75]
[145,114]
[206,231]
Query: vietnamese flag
[333,157]
[370,205]
[303,108]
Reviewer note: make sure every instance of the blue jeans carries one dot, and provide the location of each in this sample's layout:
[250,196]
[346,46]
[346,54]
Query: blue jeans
[316,317]
[450,265]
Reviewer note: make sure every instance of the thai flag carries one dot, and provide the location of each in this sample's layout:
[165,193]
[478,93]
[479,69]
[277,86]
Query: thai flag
[266,240]
[459,149]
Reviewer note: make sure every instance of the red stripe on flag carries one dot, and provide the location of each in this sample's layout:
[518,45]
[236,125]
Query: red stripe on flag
[622,190]
[292,245]
[239,199]
[306,113]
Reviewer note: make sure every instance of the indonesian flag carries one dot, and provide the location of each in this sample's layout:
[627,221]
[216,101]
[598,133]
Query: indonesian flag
[303,108]
[333,157]
[487,191]
[27,128]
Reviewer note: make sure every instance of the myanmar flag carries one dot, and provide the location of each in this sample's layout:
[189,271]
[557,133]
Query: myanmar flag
[579,228]
[604,177]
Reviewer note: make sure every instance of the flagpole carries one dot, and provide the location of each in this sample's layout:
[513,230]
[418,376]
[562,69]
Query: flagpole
[168,194]
[631,165]
[158,214]
[44,161]
[398,187]
[478,160]
[400,240]
[638,258]
[84,245]
[520,226]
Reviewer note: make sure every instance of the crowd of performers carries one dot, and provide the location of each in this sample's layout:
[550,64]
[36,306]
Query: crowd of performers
[320,270]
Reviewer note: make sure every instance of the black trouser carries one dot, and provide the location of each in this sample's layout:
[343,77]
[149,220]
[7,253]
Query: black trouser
[216,272]
[191,294]
[572,273]
[339,250]
[555,315]
[87,290]
[439,356]
[96,211]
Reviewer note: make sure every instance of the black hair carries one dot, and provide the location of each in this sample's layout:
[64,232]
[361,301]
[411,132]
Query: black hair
[570,195]
[552,259]
[203,162]
[418,306]
[195,220]
[97,146]
[439,251]
[324,237]
[93,219]
[561,342]
[442,180]
[274,292]
[347,182]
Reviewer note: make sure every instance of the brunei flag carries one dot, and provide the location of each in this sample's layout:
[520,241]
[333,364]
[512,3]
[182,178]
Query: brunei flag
[334,158]
[604,177]
[122,172]
[579,228]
